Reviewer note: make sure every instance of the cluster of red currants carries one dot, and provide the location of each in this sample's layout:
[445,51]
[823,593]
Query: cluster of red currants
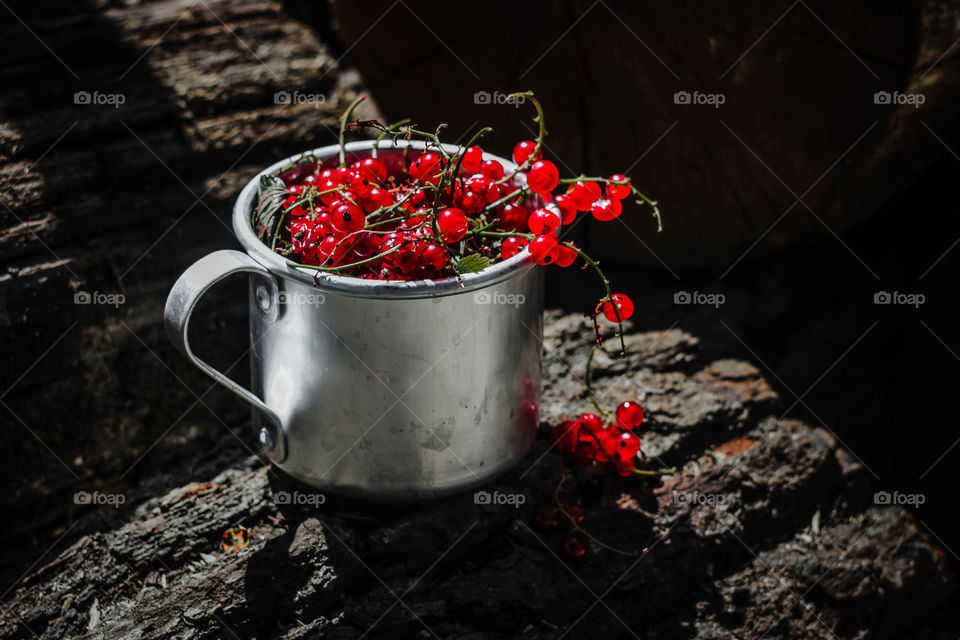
[594,444]
[551,517]
[434,213]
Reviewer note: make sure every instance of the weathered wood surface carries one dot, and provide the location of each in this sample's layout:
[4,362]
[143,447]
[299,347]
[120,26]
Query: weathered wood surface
[789,546]
[798,119]
[121,201]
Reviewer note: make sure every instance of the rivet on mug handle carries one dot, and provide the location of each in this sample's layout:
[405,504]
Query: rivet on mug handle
[191,285]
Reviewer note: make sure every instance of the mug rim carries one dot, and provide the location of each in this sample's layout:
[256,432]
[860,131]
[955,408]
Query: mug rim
[277,265]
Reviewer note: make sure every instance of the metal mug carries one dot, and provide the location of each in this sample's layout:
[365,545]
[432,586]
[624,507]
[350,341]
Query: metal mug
[380,389]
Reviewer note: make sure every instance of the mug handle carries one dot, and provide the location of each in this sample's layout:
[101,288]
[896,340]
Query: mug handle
[183,298]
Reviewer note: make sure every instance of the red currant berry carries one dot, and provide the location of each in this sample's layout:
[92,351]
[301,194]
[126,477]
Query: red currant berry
[583,194]
[545,518]
[629,415]
[605,209]
[574,515]
[426,168]
[618,191]
[585,454]
[627,446]
[565,256]
[406,260]
[303,232]
[472,159]
[543,249]
[607,446]
[366,246]
[513,217]
[452,224]
[624,306]
[524,150]
[329,193]
[568,208]
[333,248]
[492,169]
[543,177]
[591,422]
[432,256]
[377,198]
[574,547]
[564,436]
[471,203]
[347,218]
[542,221]
[512,246]
[625,466]
[373,169]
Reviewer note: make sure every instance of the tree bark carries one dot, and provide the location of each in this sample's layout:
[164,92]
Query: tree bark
[767,529]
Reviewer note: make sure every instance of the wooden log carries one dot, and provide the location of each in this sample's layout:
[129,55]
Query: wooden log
[798,117]
[121,200]
[768,527]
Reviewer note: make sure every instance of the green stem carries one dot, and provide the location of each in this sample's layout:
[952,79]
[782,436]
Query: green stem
[578,529]
[587,382]
[456,169]
[641,198]
[606,286]
[385,133]
[540,135]
[343,128]
[344,266]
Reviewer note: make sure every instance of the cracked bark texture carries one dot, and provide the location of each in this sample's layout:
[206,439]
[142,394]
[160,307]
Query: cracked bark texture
[120,201]
[767,530]
[799,120]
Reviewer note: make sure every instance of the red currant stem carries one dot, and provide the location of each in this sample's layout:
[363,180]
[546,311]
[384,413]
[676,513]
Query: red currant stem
[389,209]
[276,232]
[655,472]
[343,127]
[502,234]
[385,133]
[346,266]
[593,179]
[641,198]
[456,170]
[378,223]
[575,526]
[398,130]
[505,199]
[606,285]
[606,413]
[540,135]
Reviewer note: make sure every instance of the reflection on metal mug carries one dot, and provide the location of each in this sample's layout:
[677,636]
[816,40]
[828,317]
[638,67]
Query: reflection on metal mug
[380,389]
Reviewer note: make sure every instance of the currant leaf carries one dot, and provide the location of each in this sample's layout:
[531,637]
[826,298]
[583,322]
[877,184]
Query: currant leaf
[472,263]
[265,215]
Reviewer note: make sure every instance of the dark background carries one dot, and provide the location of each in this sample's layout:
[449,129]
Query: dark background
[122,200]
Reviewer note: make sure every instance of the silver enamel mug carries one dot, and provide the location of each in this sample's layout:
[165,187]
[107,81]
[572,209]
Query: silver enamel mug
[380,389]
